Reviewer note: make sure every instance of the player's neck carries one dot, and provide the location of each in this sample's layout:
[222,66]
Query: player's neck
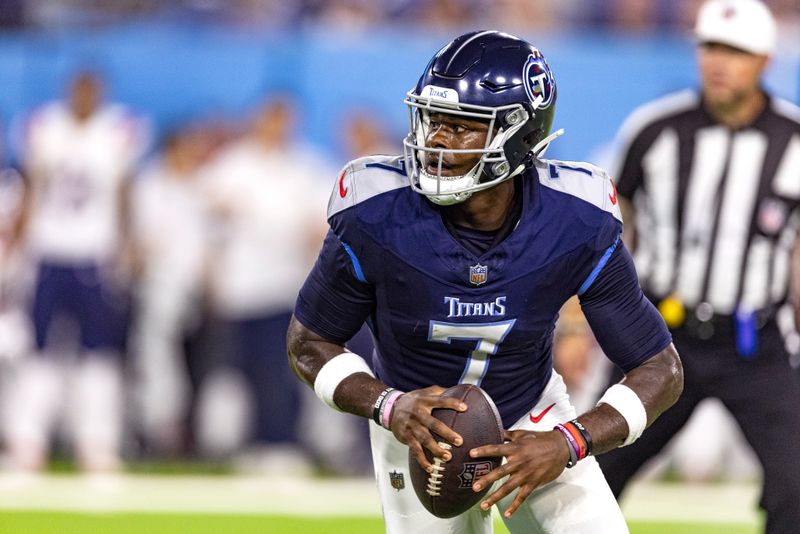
[486,210]
[739,114]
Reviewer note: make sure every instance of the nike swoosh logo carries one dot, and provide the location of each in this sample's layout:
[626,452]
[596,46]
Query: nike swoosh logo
[537,418]
[613,198]
[342,188]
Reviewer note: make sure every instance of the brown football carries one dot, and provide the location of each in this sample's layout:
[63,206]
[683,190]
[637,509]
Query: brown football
[447,492]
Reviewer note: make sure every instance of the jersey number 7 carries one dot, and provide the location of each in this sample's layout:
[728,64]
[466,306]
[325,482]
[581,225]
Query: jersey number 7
[488,335]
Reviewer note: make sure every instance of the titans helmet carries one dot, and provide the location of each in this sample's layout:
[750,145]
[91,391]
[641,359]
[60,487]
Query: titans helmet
[489,76]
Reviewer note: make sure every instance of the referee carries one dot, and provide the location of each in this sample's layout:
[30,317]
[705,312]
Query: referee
[711,180]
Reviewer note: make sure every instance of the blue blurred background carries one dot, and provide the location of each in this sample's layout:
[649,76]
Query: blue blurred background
[177,60]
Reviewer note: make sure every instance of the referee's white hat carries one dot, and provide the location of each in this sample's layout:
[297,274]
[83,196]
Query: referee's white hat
[744,24]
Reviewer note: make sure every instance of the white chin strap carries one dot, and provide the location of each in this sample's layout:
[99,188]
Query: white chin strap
[445,195]
[428,183]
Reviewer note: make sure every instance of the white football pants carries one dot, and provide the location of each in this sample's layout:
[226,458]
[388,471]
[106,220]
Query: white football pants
[89,388]
[577,502]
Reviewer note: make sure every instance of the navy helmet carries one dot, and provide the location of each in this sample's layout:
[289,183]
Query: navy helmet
[484,75]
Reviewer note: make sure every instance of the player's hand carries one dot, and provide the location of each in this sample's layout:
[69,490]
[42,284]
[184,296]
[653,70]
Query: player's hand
[413,424]
[533,459]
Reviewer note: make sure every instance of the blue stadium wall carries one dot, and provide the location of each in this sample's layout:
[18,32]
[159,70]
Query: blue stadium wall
[175,72]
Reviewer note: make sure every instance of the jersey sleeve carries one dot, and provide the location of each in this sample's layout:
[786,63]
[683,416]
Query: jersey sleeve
[335,299]
[628,327]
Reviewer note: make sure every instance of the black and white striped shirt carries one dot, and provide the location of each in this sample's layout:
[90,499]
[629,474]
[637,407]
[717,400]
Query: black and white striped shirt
[717,209]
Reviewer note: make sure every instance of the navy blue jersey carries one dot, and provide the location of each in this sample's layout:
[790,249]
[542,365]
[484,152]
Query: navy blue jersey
[442,315]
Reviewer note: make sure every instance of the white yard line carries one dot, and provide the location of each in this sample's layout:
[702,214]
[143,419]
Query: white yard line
[718,503]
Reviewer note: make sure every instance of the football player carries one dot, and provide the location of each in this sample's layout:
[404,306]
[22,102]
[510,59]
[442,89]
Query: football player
[77,157]
[459,255]
[169,228]
[263,199]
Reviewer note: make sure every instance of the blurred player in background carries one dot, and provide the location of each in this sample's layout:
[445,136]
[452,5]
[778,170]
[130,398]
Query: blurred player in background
[16,336]
[714,179]
[459,256]
[14,324]
[268,211]
[366,132]
[578,358]
[344,447]
[77,156]
[170,231]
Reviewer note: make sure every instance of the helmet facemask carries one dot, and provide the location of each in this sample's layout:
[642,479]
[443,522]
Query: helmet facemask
[496,163]
[487,76]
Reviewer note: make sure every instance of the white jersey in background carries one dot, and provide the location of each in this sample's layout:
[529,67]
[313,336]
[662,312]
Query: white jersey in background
[169,223]
[77,170]
[270,206]
[169,227]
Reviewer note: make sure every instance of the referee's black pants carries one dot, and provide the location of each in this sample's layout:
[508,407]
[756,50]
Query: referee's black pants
[762,393]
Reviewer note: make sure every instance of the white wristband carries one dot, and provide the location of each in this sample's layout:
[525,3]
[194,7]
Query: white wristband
[334,371]
[629,405]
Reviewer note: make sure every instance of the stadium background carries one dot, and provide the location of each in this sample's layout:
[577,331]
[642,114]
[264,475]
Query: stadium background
[178,62]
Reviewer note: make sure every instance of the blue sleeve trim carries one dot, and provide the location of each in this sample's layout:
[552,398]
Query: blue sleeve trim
[356,264]
[597,268]
[401,170]
[577,169]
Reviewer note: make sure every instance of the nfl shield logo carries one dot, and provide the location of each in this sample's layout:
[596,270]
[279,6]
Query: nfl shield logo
[473,471]
[478,274]
[397,480]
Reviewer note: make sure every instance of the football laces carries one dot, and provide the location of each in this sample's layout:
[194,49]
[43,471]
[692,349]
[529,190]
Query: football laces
[435,478]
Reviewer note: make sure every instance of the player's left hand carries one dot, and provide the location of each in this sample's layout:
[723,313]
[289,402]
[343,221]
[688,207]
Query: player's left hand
[532,459]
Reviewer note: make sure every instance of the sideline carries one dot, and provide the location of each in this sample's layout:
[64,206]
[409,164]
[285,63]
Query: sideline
[732,503]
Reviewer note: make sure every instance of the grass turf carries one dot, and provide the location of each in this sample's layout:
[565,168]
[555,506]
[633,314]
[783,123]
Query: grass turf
[151,523]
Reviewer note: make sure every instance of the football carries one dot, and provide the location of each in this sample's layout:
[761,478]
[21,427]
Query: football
[447,491]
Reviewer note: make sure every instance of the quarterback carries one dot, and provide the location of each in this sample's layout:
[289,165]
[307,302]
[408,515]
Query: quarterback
[459,255]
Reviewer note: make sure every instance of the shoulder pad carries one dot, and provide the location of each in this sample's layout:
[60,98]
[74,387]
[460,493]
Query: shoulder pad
[364,178]
[582,180]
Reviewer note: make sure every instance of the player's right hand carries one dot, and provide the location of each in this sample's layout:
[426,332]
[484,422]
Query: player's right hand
[412,423]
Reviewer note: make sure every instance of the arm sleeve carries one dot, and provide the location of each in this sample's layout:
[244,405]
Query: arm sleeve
[628,327]
[335,299]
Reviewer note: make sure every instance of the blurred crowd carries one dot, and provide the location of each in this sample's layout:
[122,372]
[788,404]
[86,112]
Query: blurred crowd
[146,284]
[365,14]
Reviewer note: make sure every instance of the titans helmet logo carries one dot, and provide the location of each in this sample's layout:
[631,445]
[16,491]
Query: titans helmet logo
[538,80]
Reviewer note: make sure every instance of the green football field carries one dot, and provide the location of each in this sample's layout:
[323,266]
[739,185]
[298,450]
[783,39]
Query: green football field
[127,504]
[68,523]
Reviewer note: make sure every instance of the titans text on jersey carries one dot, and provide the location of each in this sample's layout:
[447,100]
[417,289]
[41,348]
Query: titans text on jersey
[458,308]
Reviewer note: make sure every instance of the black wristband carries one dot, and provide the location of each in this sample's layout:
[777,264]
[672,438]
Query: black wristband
[585,435]
[376,408]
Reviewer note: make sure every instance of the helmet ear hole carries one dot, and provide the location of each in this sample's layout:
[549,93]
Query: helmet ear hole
[498,169]
[513,118]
